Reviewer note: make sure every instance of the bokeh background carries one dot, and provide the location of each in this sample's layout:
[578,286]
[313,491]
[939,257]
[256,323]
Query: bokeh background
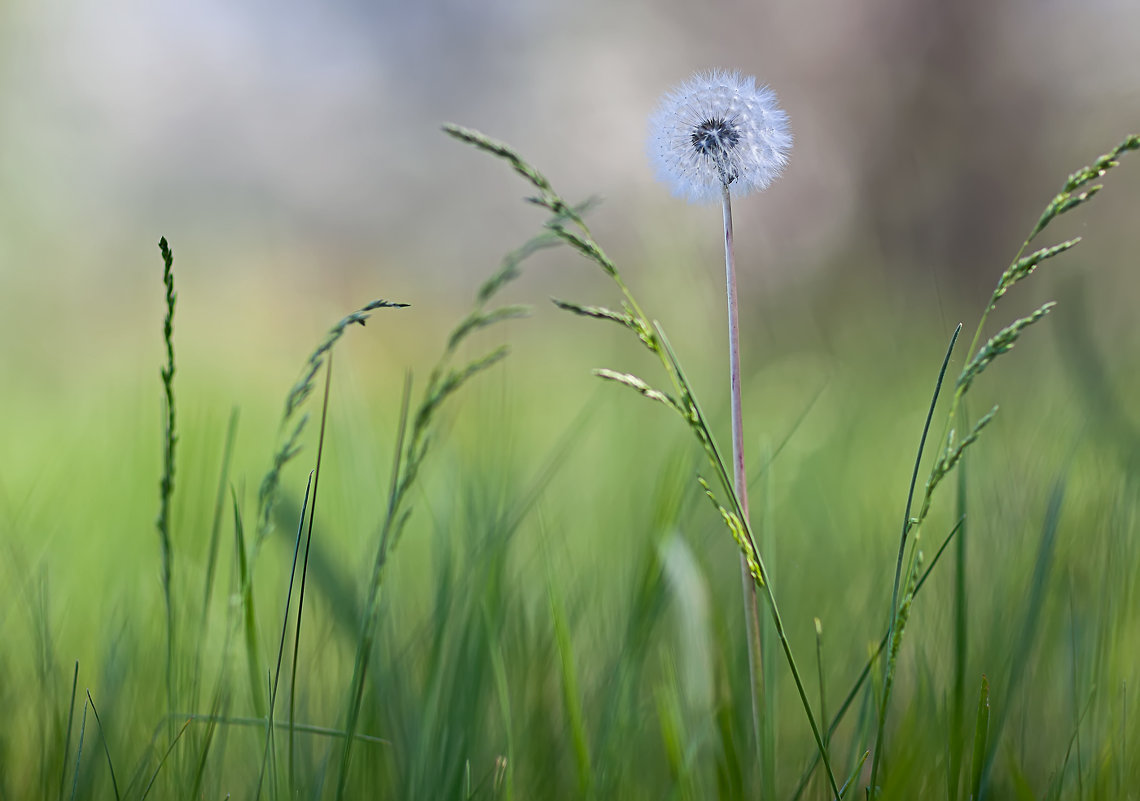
[292,154]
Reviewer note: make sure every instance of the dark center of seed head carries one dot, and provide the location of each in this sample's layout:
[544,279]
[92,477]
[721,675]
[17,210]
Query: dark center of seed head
[713,139]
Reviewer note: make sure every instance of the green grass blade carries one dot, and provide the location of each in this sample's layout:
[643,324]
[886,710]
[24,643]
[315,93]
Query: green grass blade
[304,580]
[981,739]
[571,699]
[906,527]
[79,752]
[371,610]
[106,747]
[67,736]
[854,775]
[252,650]
[162,762]
[1031,623]
[216,519]
[281,642]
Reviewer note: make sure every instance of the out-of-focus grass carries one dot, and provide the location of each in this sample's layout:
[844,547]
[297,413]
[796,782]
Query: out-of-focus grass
[549,501]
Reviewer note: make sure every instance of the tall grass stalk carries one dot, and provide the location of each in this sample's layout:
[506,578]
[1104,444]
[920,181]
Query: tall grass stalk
[1075,192]
[281,644]
[304,577]
[166,484]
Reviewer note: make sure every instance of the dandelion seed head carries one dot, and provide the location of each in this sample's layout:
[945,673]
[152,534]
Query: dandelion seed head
[718,129]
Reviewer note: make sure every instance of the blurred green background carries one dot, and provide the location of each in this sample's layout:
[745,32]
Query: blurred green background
[292,155]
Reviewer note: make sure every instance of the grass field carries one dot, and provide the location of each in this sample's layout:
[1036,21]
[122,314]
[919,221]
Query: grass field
[515,588]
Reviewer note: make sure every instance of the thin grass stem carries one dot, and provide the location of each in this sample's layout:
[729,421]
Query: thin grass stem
[106,748]
[281,644]
[67,736]
[304,576]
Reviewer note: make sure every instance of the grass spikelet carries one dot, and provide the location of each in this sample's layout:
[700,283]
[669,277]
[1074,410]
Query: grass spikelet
[267,493]
[1024,267]
[637,385]
[1001,342]
[1066,200]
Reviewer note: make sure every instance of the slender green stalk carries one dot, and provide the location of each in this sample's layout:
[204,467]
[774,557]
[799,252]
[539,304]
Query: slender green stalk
[740,485]
[906,527]
[67,737]
[106,748]
[281,644]
[304,576]
[166,484]
[961,601]
[79,753]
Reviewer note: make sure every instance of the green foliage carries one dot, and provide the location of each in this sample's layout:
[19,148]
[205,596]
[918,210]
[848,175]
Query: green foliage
[467,670]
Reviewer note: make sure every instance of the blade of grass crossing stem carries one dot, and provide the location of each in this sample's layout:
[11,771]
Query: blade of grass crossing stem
[304,576]
[367,633]
[888,675]
[981,737]
[281,643]
[961,602]
[252,654]
[1030,625]
[571,698]
[106,748]
[67,737]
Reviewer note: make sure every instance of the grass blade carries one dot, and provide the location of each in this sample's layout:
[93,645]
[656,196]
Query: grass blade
[79,752]
[571,699]
[252,652]
[981,739]
[304,576]
[106,748]
[906,527]
[67,737]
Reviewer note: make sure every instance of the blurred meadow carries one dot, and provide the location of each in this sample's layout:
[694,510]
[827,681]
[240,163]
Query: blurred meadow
[561,616]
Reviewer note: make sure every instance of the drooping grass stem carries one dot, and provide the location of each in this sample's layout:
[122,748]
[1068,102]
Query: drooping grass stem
[740,481]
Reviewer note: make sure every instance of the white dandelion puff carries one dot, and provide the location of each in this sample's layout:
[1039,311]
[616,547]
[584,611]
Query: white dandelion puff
[718,129]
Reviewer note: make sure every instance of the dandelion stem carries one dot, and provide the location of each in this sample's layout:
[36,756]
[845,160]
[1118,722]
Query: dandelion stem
[740,482]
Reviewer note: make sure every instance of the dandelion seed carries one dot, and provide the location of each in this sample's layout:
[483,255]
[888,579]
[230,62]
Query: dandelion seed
[718,129]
